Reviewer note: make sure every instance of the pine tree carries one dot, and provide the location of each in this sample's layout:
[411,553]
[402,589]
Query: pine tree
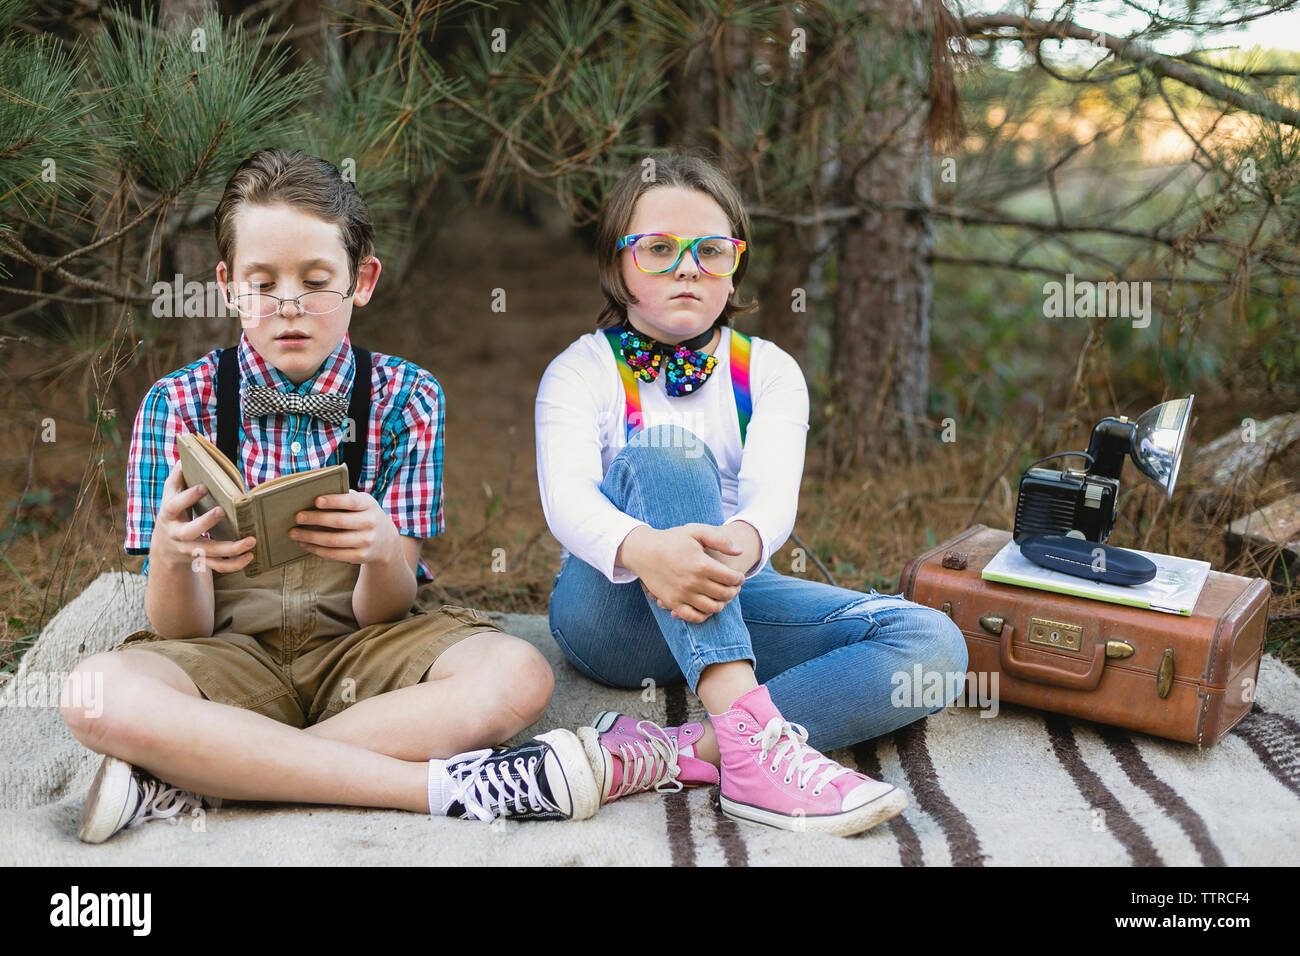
[826,112]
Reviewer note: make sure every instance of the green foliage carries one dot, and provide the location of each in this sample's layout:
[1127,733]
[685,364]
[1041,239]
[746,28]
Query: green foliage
[36,514]
[391,125]
[560,102]
[42,115]
[676,26]
[178,106]
[14,11]
[1227,207]
[12,650]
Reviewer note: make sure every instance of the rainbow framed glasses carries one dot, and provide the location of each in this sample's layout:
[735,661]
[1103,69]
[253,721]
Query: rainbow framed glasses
[658,252]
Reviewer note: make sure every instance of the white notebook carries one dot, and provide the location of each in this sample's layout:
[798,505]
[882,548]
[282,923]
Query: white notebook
[1174,589]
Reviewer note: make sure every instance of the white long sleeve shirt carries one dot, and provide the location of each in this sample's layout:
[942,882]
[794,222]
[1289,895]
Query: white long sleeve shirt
[580,428]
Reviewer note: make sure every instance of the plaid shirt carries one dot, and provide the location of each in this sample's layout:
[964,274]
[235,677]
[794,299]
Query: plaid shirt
[406,427]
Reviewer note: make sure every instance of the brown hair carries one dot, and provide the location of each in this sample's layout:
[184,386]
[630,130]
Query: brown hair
[305,182]
[682,169]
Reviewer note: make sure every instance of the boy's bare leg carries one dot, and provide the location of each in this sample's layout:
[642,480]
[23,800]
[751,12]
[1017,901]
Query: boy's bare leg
[155,718]
[481,691]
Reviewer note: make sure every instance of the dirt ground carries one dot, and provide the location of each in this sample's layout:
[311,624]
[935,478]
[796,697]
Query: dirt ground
[489,364]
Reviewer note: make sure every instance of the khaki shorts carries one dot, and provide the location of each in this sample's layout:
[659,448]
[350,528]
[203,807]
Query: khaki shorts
[285,643]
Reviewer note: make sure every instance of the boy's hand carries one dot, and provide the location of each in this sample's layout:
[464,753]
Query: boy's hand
[176,537]
[361,532]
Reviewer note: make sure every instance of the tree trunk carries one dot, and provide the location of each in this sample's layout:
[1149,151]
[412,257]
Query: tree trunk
[880,329]
[778,297]
[791,299]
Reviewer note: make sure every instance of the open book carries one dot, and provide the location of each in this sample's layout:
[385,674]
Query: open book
[267,512]
[1174,589]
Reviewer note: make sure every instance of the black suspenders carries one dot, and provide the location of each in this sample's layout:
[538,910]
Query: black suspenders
[354,452]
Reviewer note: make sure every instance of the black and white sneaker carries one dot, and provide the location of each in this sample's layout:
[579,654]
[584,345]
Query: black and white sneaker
[123,796]
[547,778]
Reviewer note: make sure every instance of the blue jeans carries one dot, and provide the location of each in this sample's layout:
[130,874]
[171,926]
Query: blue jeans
[831,657]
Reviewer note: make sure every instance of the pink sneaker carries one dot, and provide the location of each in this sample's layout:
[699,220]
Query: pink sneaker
[630,756]
[771,777]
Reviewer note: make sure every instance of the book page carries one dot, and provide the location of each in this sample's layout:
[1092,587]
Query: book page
[221,461]
[198,466]
[295,478]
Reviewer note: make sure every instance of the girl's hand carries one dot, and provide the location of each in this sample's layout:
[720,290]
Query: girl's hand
[358,530]
[678,573]
[176,540]
[749,546]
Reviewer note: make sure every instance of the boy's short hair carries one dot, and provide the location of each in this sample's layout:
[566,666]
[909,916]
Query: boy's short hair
[314,185]
[688,170]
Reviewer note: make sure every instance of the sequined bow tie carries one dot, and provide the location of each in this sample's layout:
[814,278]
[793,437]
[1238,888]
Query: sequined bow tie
[685,368]
[260,400]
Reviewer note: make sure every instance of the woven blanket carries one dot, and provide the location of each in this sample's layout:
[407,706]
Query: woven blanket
[1025,787]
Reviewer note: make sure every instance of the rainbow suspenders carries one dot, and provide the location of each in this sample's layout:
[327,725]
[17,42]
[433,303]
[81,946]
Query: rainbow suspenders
[739,361]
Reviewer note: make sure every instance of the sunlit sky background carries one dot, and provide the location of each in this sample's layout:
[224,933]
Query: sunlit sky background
[1277,30]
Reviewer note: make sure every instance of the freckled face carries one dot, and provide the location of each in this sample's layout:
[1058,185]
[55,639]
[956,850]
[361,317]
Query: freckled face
[683,302]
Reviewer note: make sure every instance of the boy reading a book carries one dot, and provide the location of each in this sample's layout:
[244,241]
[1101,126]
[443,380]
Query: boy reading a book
[321,681]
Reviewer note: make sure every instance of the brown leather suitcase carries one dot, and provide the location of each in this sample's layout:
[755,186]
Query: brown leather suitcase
[1185,678]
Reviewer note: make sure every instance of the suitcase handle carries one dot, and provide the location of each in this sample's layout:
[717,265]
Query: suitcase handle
[1045,674]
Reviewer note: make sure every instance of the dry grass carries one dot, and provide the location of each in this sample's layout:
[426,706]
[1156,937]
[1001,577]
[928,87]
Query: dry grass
[863,530]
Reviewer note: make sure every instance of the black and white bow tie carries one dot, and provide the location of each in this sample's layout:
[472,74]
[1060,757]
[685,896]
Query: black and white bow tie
[260,400]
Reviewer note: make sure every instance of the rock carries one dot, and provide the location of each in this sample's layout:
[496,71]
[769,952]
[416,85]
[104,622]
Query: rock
[1271,538]
[1235,461]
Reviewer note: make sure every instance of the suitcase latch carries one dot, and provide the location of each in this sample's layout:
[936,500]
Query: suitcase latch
[1055,634]
[1165,673]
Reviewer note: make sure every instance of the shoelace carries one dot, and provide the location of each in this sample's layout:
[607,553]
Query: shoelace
[804,760]
[649,762]
[488,790]
[160,802]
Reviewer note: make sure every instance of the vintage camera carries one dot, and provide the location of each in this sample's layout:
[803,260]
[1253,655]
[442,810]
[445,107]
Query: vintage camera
[1070,502]
[1081,503]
